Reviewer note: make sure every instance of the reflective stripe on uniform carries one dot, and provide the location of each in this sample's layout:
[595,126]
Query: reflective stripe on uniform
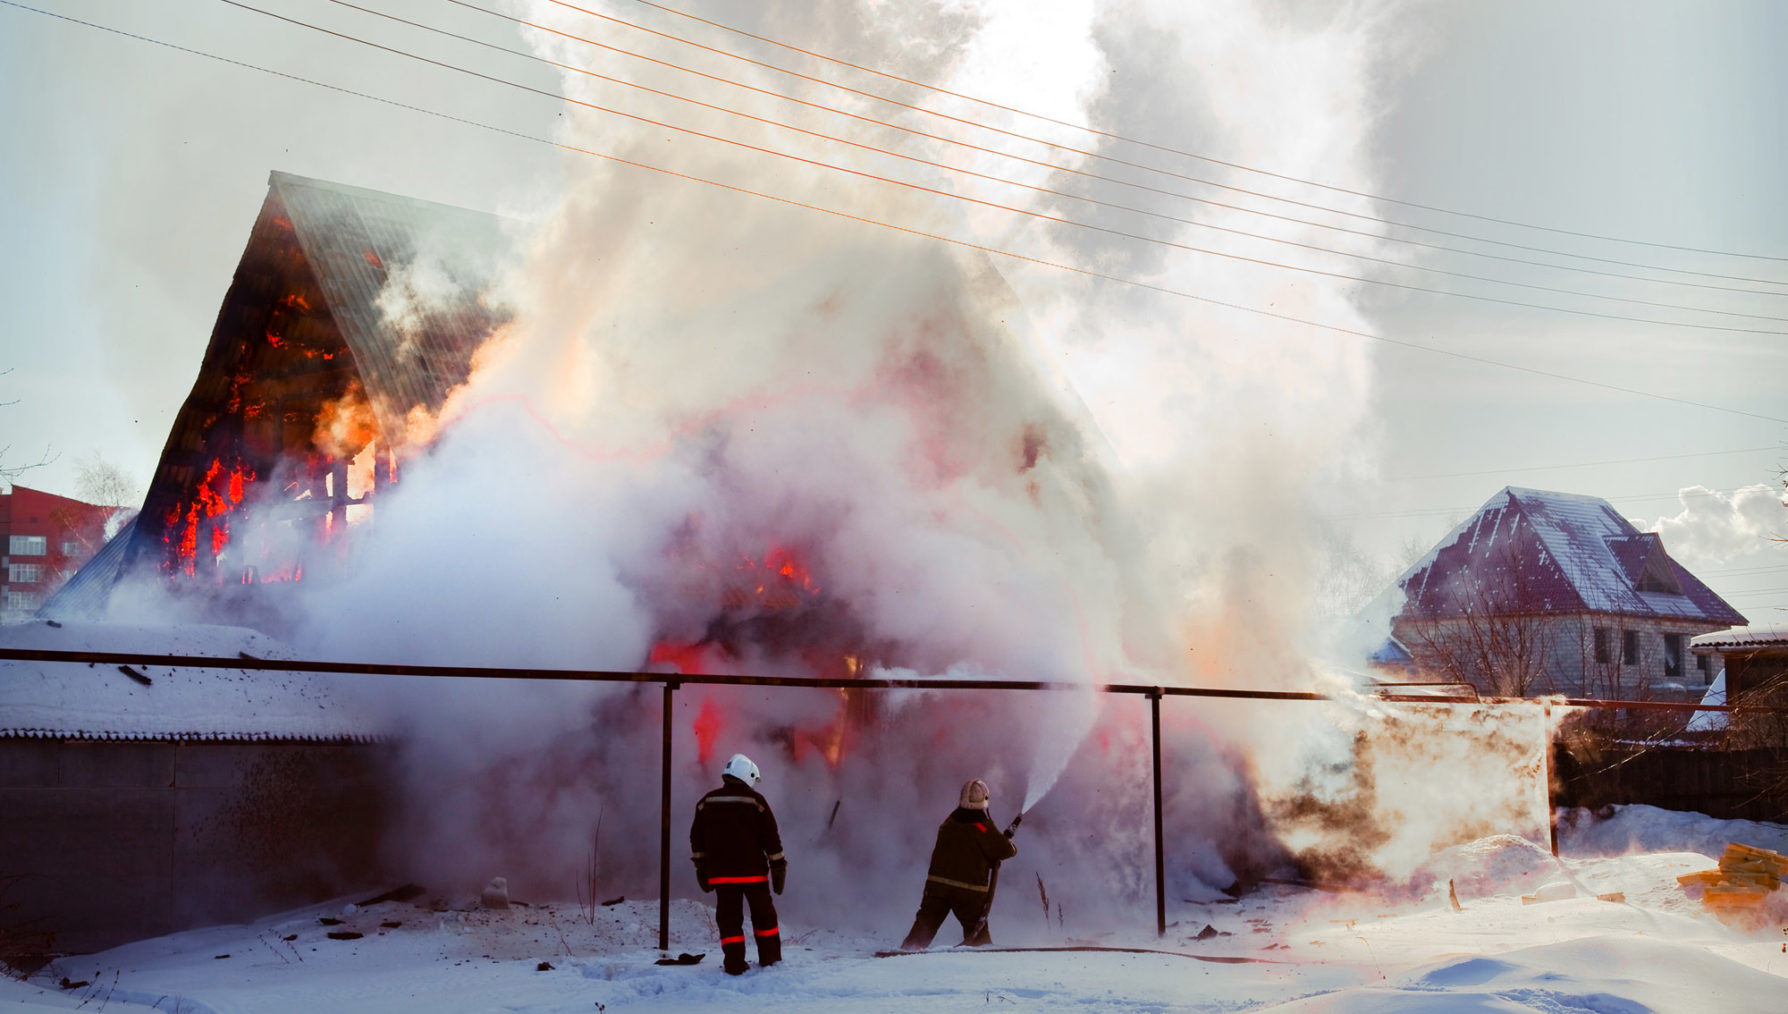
[732,940]
[980,827]
[728,799]
[776,858]
[946,881]
[737,880]
[772,931]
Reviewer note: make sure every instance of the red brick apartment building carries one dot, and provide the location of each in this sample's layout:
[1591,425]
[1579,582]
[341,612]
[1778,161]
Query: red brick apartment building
[44,539]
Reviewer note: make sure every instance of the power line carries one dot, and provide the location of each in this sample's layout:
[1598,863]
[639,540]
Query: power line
[1057,167]
[919,233]
[1187,154]
[1138,165]
[1580,464]
[995,205]
[1421,512]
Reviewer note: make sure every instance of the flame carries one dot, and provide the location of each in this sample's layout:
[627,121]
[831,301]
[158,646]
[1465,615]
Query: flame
[363,471]
[688,658]
[779,582]
[347,425]
[373,261]
[219,492]
[709,723]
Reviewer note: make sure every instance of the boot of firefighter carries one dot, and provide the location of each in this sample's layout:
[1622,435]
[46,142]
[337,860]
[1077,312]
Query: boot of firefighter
[769,947]
[732,952]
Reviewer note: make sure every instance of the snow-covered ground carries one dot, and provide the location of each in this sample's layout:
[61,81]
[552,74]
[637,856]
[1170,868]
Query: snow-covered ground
[1283,947]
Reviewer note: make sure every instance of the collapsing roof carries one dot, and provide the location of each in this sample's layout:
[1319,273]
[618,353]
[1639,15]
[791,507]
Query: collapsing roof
[351,317]
[1532,551]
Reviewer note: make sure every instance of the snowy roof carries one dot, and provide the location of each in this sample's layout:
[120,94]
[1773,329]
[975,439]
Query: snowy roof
[61,700]
[1711,721]
[1536,551]
[1758,636]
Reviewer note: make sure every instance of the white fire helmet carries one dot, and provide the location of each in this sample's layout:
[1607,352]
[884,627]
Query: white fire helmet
[740,767]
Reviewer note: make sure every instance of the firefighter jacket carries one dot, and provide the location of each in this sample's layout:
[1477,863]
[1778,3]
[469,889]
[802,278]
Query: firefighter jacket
[734,838]
[968,846]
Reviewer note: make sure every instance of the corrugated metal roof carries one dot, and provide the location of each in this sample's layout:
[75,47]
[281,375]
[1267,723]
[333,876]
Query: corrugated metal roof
[1538,551]
[86,592]
[356,241]
[1759,636]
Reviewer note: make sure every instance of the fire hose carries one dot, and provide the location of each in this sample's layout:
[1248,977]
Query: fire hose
[993,883]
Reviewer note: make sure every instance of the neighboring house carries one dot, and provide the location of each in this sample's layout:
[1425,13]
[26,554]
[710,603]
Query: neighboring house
[44,539]
[1557,593]
[1751,667]
[1753,658]
[351,316]
[138,802]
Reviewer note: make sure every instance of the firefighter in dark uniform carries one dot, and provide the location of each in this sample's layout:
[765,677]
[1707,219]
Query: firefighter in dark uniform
[969,847]
[738,855]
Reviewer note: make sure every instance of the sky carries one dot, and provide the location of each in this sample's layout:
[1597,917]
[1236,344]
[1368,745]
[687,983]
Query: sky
[133,173]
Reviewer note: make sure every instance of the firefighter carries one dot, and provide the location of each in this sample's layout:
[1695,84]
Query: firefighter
[738,855]
[967,855]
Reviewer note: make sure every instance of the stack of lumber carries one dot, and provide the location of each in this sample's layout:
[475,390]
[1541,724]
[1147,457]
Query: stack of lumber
[1745,878]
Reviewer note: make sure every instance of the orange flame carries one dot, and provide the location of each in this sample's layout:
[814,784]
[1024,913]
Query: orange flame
[709,723]
[218,493]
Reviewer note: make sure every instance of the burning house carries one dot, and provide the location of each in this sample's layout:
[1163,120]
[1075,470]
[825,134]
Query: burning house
[351,316]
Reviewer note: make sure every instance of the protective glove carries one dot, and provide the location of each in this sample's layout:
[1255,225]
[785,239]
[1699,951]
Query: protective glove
[702,879]
[778,873]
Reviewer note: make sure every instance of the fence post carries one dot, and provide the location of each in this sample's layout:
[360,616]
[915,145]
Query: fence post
[664,825]
[1160,852]
[1546,774]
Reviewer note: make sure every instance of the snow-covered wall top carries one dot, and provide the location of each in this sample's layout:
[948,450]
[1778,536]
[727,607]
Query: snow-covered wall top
[61,700]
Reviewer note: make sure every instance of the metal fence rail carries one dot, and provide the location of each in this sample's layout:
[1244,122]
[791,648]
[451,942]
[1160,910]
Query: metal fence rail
[671,681]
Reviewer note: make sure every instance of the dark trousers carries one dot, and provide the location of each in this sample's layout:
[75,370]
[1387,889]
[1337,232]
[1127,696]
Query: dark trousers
[939,900]
[729,914]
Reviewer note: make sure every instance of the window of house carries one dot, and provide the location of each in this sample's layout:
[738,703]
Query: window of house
[24,573]
[1602,641]
[1705,664]
[1673,656]
[28,545]
[71,549]
[1629,648]
[23,600]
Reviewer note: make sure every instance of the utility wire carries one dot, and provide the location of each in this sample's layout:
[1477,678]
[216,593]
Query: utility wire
[1138,165]
[1442,511]
[1056,167]
[1580,464]
[1194,155]
[995,205]
[908,230]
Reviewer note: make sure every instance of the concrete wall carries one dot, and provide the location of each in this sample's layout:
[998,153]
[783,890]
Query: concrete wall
[107,842]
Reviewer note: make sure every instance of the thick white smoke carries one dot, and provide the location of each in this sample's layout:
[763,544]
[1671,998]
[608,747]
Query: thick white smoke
[985,467]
